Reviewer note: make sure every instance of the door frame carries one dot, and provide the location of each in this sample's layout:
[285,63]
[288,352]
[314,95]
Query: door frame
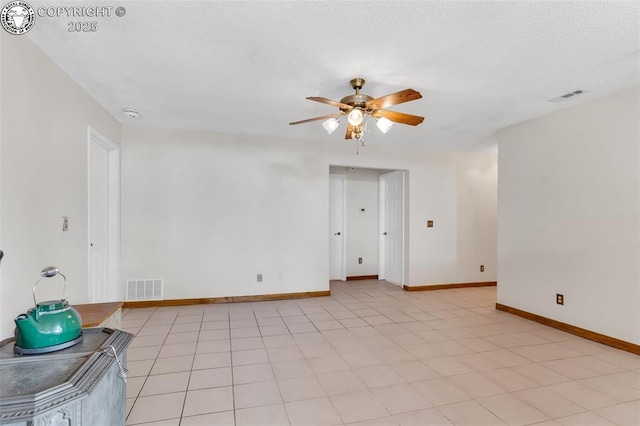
[343,260]
[113,216]
[381,227]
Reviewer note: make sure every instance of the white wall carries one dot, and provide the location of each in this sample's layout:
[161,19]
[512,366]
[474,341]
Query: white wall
[569,202]
[43,176]
[361,227]
[459,193]
[207,212]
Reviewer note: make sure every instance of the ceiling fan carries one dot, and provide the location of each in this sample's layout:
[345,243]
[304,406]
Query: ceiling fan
[358,107]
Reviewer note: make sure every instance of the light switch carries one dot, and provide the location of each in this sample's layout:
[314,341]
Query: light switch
[429,224]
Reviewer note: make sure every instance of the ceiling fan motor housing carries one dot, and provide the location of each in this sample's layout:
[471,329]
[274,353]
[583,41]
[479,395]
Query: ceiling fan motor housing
[356,101]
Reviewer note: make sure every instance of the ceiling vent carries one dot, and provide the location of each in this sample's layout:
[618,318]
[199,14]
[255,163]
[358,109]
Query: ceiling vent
[567,96]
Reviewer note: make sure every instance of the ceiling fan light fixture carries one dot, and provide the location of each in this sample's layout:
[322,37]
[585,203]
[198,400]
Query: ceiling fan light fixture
[331,125]
[384,124]
[355,117]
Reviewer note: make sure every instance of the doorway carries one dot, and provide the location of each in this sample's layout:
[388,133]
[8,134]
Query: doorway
[104,224]
[373,203]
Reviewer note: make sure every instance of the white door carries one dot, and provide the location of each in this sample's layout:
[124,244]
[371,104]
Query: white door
[98,222]
[337,194]
[392,227]
[103,218]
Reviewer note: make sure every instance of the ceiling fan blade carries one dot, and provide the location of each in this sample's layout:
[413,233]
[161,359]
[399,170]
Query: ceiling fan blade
[393,99]
[350,130]
[324,117]
[398,117]
[329,102]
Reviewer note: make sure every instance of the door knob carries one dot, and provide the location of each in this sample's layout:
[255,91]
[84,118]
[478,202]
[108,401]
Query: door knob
[337,233]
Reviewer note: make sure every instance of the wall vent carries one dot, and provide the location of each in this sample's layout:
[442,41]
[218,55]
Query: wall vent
[145,289]
[567,96]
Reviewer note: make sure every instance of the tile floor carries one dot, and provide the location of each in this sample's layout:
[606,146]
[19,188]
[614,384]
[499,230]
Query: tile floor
[371,354]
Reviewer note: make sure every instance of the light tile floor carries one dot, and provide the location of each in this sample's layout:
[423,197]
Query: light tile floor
[371,354]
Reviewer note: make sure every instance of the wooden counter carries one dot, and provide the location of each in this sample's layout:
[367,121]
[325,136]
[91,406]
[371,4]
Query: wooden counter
[95,314]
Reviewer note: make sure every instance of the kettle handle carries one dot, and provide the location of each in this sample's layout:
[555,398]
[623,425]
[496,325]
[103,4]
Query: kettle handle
[48,272]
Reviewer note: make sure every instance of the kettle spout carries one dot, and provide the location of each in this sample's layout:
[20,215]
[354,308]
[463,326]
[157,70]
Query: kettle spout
[24,321]
[26,329]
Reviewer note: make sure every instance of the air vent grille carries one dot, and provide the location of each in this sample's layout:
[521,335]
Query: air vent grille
[145,289]
[567,96]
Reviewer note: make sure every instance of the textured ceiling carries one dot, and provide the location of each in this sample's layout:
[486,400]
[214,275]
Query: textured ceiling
[245,67]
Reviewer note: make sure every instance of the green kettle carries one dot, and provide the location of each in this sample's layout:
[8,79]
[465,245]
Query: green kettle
[48,326]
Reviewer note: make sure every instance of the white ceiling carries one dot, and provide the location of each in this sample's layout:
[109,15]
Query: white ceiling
[245,67]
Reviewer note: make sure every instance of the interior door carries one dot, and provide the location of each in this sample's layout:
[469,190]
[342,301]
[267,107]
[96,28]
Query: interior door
[337,194]
[98,222]
[392,226]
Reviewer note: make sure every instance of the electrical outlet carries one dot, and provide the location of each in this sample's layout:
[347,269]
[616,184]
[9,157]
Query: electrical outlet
[65,223]
[360,260]
[481,268]
[429,224]
[259,278]
[560,299]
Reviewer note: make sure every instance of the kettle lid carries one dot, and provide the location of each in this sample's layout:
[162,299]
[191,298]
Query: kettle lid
[52,305]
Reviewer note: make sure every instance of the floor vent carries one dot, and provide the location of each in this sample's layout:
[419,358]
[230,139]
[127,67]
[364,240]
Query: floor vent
[567,96]
[145,289]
